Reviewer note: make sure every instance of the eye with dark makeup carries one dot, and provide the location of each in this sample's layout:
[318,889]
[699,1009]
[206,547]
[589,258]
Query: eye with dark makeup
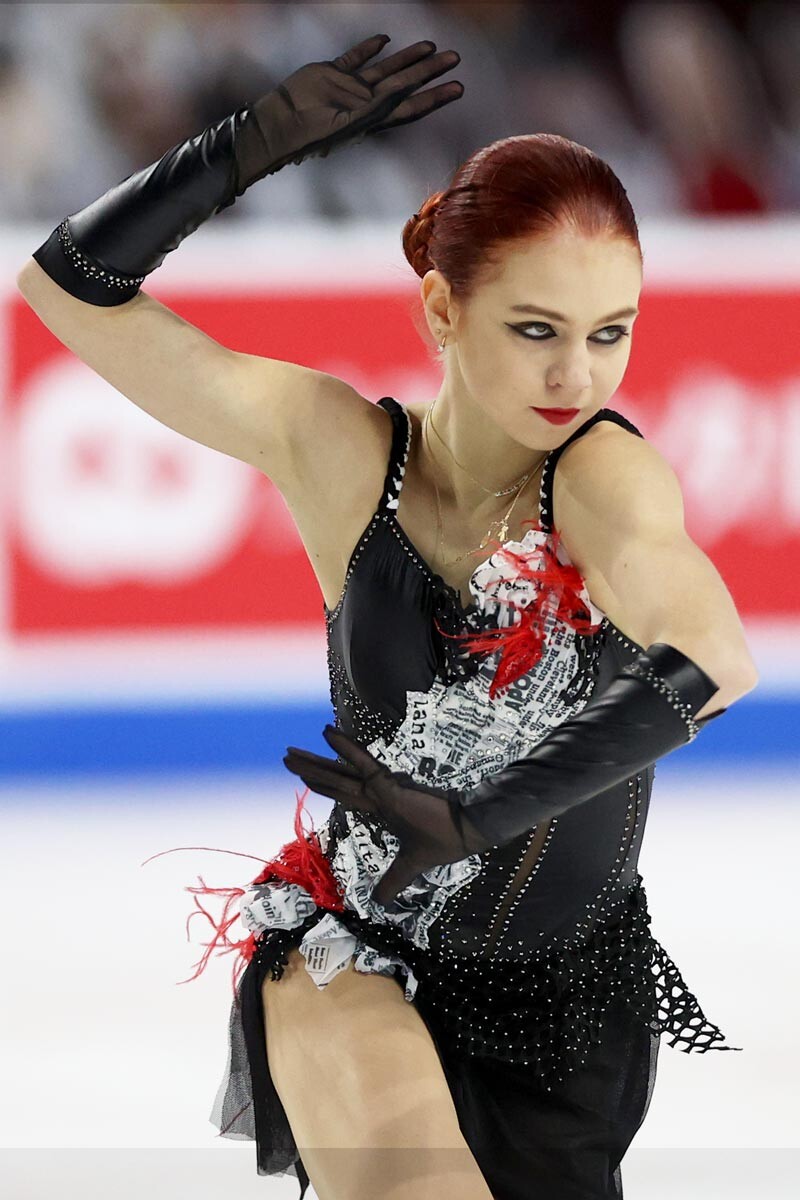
[620,330]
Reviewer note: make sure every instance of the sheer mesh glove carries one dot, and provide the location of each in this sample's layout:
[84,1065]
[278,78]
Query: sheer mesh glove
[103,253]
[647,710]
[329,104]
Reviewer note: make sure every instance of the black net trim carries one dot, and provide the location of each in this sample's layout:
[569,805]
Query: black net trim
[679,1013]
[547,1012]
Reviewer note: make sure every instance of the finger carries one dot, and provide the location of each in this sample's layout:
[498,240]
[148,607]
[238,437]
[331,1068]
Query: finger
[356,804]
[323,770]
[324,777]
[327,773]
[353,751]
[404,58]
[346,791]
[414,107]
[309,758]
[332,792]
[353,58]
[420,73]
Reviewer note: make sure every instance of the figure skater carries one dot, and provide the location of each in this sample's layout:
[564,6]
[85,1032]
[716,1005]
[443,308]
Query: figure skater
[452,984]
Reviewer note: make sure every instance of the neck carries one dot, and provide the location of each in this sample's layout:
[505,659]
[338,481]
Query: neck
[489,458]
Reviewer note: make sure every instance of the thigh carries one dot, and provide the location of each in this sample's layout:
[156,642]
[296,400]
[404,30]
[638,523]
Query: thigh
[363,1087]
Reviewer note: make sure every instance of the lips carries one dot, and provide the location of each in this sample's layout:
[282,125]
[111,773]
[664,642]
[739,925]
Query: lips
[557,416]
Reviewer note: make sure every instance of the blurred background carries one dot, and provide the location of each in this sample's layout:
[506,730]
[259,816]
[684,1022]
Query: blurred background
[162,634]
[695,105]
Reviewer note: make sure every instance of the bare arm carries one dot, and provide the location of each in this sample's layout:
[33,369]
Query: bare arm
[620,512]
[294,424]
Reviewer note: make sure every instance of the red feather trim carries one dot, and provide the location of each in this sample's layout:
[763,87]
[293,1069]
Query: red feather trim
[300,861]
[303,862]
[558,594]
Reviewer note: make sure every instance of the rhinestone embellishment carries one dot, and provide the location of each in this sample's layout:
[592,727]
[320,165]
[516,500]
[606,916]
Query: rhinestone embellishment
[89,267]
[650,676]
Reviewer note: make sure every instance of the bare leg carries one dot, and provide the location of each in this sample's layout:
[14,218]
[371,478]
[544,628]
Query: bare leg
[364,1090]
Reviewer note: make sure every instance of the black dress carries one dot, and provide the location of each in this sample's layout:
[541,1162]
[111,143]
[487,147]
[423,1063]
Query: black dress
[532,964]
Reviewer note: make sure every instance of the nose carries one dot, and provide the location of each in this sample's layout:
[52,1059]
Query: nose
[571,372]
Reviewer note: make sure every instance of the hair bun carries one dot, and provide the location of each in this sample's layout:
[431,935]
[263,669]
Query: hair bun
[417,233]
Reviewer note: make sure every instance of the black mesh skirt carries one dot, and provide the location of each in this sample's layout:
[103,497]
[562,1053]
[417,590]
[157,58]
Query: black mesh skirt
[565,1141]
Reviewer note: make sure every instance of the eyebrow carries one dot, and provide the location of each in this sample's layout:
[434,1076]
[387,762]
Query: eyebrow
[543,312]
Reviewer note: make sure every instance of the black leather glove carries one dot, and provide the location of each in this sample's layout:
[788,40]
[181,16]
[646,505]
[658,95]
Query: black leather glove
[647,710]
[103,253]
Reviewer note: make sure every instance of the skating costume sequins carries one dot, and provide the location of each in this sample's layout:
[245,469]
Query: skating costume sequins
[517,952]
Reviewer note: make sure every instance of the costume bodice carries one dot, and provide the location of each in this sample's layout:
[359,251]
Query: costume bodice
[403,684]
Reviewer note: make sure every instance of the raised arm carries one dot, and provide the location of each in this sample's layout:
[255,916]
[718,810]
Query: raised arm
[84,281]
[239,404]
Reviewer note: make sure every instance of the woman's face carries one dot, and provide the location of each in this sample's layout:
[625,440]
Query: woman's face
[507,361]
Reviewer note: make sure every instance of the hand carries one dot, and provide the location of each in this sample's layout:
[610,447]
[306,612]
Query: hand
[428,822]
[324,105]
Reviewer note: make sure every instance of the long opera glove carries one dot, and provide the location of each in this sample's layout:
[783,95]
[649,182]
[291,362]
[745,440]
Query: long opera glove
[103,253]
[647,710]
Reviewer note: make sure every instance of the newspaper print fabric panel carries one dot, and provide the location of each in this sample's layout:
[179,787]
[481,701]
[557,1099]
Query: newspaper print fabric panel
[328,946]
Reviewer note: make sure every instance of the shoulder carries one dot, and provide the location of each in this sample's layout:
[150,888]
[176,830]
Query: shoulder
[611,483]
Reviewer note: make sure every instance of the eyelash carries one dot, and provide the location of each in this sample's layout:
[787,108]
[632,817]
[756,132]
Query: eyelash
[619,329]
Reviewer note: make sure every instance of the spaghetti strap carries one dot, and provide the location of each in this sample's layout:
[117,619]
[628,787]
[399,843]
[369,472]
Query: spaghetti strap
[546,485]
[398,455]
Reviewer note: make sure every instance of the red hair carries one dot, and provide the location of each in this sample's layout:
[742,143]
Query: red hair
[511,190]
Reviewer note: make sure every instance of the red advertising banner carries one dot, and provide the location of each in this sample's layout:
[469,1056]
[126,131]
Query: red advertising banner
[117,522]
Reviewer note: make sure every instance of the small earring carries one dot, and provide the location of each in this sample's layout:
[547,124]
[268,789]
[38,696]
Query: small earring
[442,342]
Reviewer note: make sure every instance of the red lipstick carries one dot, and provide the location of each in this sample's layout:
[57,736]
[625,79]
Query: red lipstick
[557,416]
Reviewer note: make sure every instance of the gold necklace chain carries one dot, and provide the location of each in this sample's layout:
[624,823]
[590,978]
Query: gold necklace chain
[503,530]
[489,491]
